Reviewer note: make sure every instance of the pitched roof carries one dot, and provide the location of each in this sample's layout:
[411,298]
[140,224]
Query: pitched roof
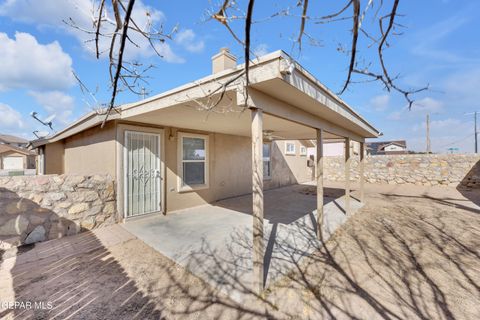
[6,138]
[380,145]
[6,148]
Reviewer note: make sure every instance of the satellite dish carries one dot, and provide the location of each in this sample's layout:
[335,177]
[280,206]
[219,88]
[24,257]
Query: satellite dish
[50,118]
[42,134]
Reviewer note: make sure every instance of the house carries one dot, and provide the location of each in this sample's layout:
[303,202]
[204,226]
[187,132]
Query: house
[333,148]
[13,158]
[211,139]
[13,141]
[387,147]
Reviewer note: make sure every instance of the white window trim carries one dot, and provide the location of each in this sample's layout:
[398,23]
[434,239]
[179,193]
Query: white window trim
[180,186]
[303,151]
[269,160]
[290,153]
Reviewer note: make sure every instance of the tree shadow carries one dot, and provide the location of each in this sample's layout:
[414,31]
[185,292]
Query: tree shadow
[71,277]
[397,258]
[400,261]
[469,187]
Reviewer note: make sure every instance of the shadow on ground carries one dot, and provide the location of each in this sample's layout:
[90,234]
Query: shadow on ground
[397,258]
[469,187]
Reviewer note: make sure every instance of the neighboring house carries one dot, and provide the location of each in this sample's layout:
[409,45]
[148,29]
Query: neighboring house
[337,149]
[16,159]
[387,147]
[13,141]
[171,152]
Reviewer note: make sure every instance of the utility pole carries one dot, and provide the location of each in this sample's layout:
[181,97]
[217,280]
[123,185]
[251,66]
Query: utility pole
[429,150]
[475,130]
[476,133]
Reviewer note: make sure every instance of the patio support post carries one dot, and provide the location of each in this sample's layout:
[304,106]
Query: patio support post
[319,180]
[347,176]
[362,172]
[257,196]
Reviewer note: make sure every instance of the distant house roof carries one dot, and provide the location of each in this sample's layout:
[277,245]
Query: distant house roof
[6,138]
[379,147]
[6,148]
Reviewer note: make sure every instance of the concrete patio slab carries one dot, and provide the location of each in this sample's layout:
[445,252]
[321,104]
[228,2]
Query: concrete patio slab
[215,241]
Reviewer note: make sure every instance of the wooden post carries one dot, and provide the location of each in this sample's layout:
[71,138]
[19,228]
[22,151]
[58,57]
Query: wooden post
[319,179]
[362,171]
[347,176]
[257,196]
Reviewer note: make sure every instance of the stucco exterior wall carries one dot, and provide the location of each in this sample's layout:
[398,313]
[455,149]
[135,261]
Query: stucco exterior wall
[54,158]
[288,169]
[100,151]
[91,151]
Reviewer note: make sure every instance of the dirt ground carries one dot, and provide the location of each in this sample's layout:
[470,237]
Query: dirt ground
[409,253]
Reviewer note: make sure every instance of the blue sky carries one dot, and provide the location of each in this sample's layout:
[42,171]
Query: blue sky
[440,46]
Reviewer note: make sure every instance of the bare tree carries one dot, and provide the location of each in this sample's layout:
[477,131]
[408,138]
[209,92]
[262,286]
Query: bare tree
[385,16]
[375,36]
[116,32]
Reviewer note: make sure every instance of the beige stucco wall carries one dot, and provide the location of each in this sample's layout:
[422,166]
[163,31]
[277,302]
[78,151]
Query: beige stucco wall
[54,158]
[288,169]
[230,171]
[100,151]
[91,151]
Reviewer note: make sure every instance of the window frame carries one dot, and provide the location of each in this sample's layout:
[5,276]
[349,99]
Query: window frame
[303,153]
[268,177]
[290,153]
[181,187]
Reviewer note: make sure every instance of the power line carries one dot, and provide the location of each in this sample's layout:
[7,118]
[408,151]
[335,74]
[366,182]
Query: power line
[456,141]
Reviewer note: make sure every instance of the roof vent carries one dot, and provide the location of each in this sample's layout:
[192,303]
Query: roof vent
[223,60]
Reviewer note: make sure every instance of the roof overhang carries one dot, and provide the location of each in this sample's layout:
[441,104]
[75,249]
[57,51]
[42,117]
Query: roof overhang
[293,101]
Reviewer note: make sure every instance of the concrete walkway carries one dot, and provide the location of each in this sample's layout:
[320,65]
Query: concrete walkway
[215,241]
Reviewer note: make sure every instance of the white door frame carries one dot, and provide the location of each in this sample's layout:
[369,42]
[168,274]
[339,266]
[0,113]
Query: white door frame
[121,170]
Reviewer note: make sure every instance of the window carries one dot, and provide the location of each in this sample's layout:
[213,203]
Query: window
[267,160]
[193,164]
[303,150]
[290,148]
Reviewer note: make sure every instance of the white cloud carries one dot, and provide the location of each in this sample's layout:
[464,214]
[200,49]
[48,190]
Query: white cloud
[10,118]
[260,50]
[438,125]
[187,39]
[52,13]
[25,63]
[380,103]
[426,105]
[55,103]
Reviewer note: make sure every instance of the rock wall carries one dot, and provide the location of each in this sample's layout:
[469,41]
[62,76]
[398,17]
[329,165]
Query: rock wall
[39,208]
[429,170]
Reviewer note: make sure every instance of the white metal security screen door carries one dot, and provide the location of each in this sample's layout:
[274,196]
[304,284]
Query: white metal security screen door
[142,173]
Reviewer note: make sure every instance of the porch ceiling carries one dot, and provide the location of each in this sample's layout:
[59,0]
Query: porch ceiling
[236,121]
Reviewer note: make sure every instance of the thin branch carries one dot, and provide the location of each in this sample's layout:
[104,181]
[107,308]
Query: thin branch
[353,53]
[248,25]
[120,59]
[302,24]
[99,23]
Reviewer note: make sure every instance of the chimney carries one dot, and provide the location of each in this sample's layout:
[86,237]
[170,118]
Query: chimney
[223,60]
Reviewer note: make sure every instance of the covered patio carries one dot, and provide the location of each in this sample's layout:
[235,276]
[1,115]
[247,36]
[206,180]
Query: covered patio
[283,101]
[215,241]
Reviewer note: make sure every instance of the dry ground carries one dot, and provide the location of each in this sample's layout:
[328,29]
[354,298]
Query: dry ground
[410,253]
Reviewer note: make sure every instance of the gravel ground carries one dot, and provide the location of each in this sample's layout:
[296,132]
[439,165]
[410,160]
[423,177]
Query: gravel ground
[409,253]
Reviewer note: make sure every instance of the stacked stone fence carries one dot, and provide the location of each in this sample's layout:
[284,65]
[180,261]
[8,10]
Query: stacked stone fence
[456,170]
[39,208]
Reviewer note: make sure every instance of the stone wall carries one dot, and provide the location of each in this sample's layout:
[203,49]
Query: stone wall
[429,170]
[38,208]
